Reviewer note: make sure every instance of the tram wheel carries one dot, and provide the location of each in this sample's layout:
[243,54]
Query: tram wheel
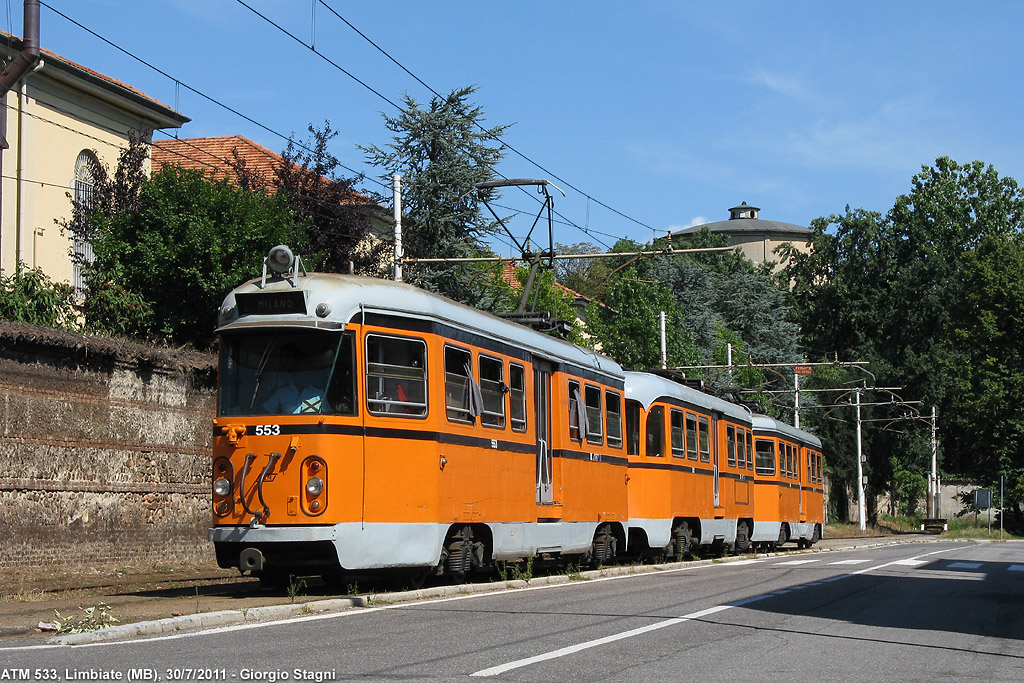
[742,537]
[681,541]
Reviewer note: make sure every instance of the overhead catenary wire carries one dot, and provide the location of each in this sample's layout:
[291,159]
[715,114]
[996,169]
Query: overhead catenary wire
[201,94]
[591,232]
[586,231]
[506,144]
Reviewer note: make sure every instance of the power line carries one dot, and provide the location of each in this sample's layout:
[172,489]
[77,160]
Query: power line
[198,92]
[381,96]
[503,142]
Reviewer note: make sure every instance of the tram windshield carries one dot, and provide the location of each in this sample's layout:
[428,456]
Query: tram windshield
[286,373]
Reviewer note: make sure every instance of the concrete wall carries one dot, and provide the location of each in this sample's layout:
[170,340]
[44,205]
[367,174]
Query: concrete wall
[104,450]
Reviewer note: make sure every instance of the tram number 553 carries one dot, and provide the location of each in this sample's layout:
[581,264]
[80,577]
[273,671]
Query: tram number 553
[268,430]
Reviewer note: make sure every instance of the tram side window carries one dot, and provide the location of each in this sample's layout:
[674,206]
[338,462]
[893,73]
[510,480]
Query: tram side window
[396,384]
[576,413]
[750,449]
[613,415]
[656,432]
[595,421]
[632,427]
[678,438]
[765,454]
[741,448]
[691,436]
[789,461]
[810,468]
[492,386]
[730,436]
[460,400]
[705,440]
[517,396]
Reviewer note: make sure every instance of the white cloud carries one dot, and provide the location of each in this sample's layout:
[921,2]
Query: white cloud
[695,221]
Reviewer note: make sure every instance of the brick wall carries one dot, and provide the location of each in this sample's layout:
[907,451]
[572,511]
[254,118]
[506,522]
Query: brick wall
[104,451]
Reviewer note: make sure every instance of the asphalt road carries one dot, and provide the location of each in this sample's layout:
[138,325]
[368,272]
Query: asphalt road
[922,612]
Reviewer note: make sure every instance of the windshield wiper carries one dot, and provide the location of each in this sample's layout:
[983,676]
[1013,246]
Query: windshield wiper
[259,370]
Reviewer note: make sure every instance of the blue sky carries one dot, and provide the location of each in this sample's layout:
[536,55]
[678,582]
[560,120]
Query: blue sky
[668,112]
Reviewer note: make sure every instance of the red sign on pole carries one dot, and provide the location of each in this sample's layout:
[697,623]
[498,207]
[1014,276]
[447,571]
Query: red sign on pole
[803,369]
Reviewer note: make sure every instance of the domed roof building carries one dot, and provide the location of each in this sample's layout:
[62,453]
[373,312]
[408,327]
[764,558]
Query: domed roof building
[756,237]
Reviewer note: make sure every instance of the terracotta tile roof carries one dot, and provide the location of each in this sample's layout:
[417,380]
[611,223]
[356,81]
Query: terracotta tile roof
[215,156]
[15,44]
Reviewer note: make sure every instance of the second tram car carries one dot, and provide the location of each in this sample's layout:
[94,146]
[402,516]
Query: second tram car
[691,477]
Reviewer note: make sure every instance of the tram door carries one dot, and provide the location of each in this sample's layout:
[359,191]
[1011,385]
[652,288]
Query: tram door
[800,473]
[715,454]
[542,402]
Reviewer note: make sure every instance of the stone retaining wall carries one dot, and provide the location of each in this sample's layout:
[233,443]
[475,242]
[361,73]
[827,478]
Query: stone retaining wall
[104,451]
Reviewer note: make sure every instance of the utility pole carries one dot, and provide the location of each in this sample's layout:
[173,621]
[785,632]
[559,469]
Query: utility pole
[861,507]
[398,227]
[796,400]
[664,352]
[936,508]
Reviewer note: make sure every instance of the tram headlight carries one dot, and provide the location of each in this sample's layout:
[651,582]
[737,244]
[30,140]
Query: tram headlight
[221,487]
[280,259]
[315,486]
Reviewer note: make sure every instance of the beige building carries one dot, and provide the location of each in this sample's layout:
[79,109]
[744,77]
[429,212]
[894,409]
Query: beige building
[56,117]
[757,238]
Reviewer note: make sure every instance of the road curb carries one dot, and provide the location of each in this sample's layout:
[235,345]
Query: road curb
[327,606]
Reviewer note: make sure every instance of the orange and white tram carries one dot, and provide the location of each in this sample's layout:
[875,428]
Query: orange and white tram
[690,468]
[367,424]
[789,477]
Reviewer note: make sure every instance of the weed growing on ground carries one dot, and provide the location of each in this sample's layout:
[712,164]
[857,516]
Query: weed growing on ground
[92,619]
[524,573]
[294,587]
[574,573]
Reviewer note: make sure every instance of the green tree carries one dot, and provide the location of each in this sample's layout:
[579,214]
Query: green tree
[167,249]
[336,215]
[442,150]
[902,291]
[589,277]
[628,328]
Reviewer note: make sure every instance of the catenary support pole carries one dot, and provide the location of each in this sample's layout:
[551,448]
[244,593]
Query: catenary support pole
[664,352]
[935,512]
[398,227]
[796,400]
[861,507]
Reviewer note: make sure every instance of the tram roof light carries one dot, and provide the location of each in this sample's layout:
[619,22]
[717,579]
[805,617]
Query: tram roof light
[280,259]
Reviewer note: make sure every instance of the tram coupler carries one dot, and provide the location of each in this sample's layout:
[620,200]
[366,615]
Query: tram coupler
[251,560]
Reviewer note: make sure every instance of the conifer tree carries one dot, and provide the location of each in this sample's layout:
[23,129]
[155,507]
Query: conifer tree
[442,149]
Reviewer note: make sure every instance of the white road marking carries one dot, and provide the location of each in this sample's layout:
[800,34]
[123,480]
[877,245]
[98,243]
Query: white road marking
[370,610]
[740,563]
[572,649]
[911,562]
[963,565]
[795,562]
[850,562]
